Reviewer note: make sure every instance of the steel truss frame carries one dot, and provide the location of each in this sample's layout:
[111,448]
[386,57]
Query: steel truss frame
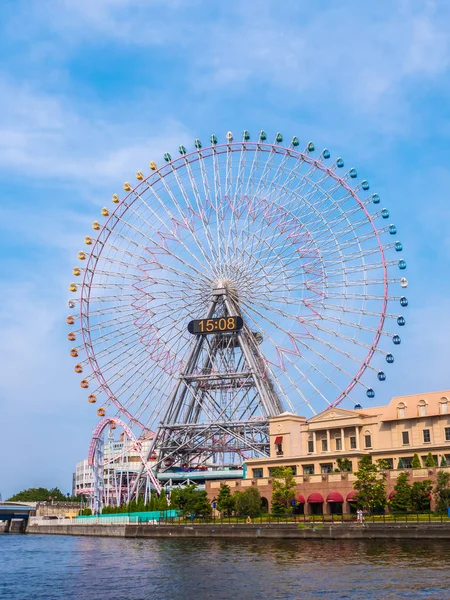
[219,408]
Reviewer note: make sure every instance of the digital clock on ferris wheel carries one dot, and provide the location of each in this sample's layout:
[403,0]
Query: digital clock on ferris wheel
[215,325]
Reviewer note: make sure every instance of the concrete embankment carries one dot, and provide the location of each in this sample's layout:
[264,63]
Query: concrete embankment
[252,531]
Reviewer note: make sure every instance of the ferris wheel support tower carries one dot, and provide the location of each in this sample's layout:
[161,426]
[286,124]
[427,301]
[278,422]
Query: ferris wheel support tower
[222,400]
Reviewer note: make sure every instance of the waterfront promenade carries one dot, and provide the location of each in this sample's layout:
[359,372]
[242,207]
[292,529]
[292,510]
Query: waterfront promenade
[301,530]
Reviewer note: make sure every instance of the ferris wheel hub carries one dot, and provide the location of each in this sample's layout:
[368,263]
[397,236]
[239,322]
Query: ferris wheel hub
[227,287]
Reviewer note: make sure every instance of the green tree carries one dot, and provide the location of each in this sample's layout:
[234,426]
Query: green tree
[283,492]
[39,495]
[248,502]
[344,465]
[140,505]
[416,464]
[225,501]
[153,502]
[86,512]
[442,491]
[401,501]
[370,484]
[443,461]
[200,505]
[383,465]
[162,502]
[429,461]
[420,494]
[189,500]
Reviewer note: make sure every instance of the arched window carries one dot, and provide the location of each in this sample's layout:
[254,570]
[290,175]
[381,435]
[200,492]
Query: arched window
[337,441]
[422,408]
[367,439]
[401,410]
[443,406]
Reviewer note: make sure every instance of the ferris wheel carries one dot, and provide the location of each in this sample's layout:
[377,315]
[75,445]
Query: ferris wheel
[232,283]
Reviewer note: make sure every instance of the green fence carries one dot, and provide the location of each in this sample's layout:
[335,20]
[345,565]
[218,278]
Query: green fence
[135,517]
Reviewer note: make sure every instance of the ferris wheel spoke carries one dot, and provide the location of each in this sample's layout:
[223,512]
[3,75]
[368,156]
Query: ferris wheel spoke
[202,215]
[168,233]
[285,372]
[313,323]
[186,222]
[297,340]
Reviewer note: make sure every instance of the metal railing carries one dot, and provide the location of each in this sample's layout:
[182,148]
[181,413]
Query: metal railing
[299,520]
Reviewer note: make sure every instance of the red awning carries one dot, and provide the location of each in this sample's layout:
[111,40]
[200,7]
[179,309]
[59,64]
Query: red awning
[300,499]
[352,496]
[315,498]
[392,494]
[278,439]
[335,497]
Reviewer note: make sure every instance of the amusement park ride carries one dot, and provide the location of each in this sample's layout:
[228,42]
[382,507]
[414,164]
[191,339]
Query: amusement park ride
[229,285]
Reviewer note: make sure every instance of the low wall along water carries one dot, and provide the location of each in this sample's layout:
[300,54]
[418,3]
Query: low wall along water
[433,531]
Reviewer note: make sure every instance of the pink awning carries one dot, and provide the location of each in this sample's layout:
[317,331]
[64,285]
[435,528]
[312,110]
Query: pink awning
[315,498]
[335,497]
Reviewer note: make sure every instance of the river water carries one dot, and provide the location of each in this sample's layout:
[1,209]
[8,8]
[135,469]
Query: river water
[91,568]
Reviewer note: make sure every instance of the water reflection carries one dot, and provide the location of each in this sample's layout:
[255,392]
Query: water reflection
[58,567]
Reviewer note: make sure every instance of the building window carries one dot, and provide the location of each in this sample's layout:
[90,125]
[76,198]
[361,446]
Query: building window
[405,437]
[368,440]
[426,436]
[324,445]
[279,445]
[326,468]
[401,411]
[390,462]
[405,463]
[352,442]
[422,408]
[338,444]
[308,469]
[310,445]
[257,473]
[447,434]
[443,406]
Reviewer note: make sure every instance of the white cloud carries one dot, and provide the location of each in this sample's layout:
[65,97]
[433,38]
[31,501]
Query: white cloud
[44,136]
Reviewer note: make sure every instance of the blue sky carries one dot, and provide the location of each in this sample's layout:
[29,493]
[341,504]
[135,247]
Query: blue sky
[90,91]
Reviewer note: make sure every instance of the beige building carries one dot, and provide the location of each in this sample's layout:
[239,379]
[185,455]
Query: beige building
[408,424]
